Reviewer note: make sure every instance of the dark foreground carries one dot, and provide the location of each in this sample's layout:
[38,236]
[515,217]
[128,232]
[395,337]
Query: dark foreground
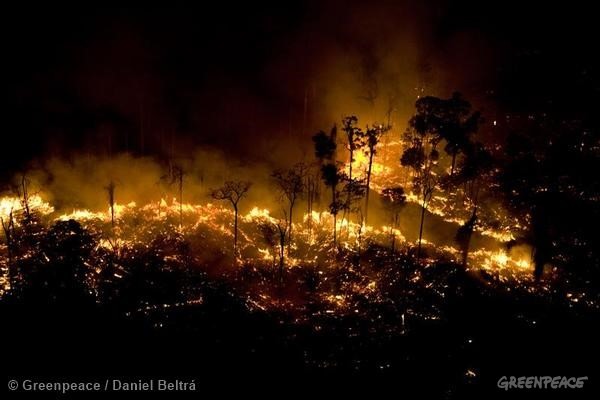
[223,345]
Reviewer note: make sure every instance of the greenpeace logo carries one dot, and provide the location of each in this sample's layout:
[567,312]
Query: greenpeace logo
[541,382]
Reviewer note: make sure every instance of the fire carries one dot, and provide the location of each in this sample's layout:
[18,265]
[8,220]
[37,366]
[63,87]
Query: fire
[14,204]
[500,258]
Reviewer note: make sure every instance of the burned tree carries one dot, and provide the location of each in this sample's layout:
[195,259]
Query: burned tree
[332,177]
[177,176]
[394,200]
[269,235]
[325,152]
[110,191]
[232,191]
[473,172]
[353,139]
[282,227]
[456,123]
[371,137]
[9,229]
[421,155]
[290,184]
[311,186]
[463,237]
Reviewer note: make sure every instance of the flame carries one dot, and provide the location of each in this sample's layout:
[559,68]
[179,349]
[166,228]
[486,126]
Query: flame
[14,204]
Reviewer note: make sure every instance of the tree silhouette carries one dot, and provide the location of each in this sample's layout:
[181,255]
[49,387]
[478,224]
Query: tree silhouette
[421,155]
[290,184]
[110,191]
[232,191]
[371,137]
[177,176]
[353,139]
[269,235]
[463,237]
[352,192]
[9,228]
[325,151]
[325,145]
[311,185]
[394,200]
[332,177]
[474,170]
[456,123]
[282,227]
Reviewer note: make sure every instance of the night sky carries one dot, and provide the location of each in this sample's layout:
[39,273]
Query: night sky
[236,76]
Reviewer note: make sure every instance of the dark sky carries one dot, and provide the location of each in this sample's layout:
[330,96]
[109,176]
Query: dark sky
[239,76]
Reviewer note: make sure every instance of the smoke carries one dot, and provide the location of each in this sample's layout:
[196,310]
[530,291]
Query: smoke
[254,84]
[232,97]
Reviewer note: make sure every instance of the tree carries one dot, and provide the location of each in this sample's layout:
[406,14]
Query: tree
[352,192]
[290,184]
[177,176]
[275,234]
[353,138]
[332,177]
[325,152]
[174,176]
[9,229]
[354,142]
[269,233]
[110,190]
[473,171]
[394,200]
[421,155]
[311,186]
[456,124]
[232,191]
[325,145]
[371,138]
[550,185]
[463,237]
[282,227]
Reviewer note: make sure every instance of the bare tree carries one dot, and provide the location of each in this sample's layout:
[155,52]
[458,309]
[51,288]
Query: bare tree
[9,228]
[394,200]
[110,191]
[232,191]
[311,186]
[332,178]
[290,184]
[275,234]
[23,191]
[177,176]
[269,235]
[473,172]
[282,227]
[372,137]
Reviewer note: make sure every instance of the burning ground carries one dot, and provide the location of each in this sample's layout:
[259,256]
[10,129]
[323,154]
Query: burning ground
[367,303]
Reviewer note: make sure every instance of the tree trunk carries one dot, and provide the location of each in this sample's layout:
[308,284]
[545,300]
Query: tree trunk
[453,163]
[281,257]
[334,199]
[421,229]
[235,230]
[350,169]
[394,224]
[334,229]
[180,199]
[368,186]
[290,231]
